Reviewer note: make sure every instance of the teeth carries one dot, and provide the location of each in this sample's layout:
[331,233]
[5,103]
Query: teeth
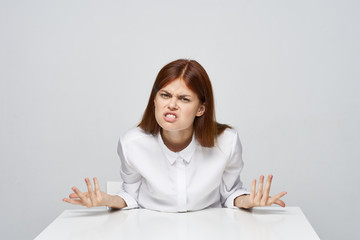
[170,115]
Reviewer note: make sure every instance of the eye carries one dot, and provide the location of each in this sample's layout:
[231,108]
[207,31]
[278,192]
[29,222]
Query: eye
[184,99]
[165,95]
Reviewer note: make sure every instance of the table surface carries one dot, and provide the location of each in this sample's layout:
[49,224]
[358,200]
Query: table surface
[216,223]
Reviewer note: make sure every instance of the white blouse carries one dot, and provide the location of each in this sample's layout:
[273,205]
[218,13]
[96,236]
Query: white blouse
[195,178]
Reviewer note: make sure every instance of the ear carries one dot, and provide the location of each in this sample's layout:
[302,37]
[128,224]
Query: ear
[201,111]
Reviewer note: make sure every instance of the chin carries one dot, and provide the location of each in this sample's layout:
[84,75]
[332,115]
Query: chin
[169,128]
[173,128]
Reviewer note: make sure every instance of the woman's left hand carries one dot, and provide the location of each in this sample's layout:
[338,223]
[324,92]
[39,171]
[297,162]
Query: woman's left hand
[260,198]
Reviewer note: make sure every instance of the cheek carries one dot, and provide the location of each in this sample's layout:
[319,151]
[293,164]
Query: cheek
[191,112]
[158,108]
[158,102]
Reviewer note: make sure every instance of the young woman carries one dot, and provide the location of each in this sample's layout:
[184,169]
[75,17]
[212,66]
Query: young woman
[179,158]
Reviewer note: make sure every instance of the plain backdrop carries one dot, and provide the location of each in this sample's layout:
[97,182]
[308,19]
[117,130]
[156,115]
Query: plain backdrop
[75,74]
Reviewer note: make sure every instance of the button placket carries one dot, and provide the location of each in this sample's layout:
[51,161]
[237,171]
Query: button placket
[181,185]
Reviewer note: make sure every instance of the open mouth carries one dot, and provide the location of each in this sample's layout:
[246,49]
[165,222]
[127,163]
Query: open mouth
[170,117]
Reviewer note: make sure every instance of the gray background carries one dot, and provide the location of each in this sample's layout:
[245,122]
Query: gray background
[76,74]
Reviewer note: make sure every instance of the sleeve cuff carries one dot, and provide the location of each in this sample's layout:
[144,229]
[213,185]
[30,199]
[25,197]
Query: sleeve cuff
[130,201]
[229,203]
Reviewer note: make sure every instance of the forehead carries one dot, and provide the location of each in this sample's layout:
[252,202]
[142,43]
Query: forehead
[178,86]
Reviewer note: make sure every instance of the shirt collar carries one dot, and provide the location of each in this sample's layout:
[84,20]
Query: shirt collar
[185,154]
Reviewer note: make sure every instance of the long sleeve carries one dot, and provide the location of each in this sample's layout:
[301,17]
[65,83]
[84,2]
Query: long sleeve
[131,180]
[231,185]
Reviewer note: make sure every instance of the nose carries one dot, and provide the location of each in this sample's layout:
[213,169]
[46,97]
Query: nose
[173,104]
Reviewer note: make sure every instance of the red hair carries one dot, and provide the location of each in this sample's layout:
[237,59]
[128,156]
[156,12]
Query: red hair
[195,77]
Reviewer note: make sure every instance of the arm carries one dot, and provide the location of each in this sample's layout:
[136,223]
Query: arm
[260,198]
[232,186]
[95,198]
[131,179]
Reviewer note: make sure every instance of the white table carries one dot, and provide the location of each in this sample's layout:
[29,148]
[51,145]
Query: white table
[217,223]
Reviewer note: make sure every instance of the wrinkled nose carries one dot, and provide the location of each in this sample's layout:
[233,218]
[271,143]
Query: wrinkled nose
[173,104]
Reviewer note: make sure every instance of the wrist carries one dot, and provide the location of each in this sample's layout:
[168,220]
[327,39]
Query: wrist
[241,201]
[115,201]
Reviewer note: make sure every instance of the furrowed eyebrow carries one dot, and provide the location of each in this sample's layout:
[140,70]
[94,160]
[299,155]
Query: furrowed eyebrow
[163,91]
[185,96]
[180,96]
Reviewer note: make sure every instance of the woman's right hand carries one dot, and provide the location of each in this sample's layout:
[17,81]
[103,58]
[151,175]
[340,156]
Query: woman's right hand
[94,198]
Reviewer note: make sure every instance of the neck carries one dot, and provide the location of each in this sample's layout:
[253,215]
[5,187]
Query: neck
[177,141]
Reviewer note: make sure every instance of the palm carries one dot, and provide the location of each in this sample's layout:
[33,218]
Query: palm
[91,198]
[261,198]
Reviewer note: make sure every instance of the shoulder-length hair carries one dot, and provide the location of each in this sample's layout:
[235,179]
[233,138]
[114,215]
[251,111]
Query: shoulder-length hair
[195,77]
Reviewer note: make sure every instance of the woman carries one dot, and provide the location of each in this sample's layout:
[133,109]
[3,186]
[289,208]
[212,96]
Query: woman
[179,158]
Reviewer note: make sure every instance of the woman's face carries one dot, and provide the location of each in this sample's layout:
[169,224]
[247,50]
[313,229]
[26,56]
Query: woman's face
[176,107]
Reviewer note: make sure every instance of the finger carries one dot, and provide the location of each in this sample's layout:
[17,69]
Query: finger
[91,192]
[253,188]
[83,197]
[275,198]
[279,195]
[89,187]
[280,203]
[73,195]
[76,191]
[260,188]
[97,188]
[265,196]
[79,194]
[73,201]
